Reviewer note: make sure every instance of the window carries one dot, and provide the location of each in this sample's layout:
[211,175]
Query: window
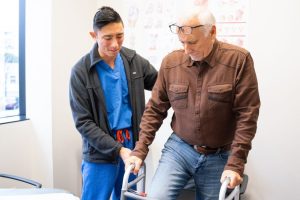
[12,60]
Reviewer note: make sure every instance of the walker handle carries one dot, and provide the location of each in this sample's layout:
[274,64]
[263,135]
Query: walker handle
[126,176]
[234,194]
[126,191]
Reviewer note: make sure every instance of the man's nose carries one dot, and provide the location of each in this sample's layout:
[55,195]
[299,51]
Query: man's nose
[114,42]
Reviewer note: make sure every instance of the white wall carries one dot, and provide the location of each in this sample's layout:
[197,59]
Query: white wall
[38,88]
[72,21]
[274,40]
[18,153]
[47,147]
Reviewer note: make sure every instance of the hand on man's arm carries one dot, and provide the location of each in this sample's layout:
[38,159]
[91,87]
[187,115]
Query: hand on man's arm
[124,153]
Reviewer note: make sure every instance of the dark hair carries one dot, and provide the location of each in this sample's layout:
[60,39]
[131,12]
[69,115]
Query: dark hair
[104,16]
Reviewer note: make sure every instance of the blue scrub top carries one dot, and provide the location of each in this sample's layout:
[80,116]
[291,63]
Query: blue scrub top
[115,88]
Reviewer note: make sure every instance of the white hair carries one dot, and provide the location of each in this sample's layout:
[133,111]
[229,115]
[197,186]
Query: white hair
[204,16]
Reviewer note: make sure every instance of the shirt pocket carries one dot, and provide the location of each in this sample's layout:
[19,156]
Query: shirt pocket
[178,95]
[220,93]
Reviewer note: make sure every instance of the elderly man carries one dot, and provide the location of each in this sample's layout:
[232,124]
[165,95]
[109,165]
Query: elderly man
[213,90]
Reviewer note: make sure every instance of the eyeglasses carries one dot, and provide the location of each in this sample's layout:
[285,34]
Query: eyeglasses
[184,29]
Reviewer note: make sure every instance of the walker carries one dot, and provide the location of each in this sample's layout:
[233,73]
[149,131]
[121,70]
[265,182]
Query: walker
[141,195]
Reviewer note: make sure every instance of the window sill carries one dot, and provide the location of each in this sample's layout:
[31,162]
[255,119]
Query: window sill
[6,120]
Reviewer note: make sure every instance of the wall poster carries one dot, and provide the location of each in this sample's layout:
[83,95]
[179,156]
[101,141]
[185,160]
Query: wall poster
[147,31]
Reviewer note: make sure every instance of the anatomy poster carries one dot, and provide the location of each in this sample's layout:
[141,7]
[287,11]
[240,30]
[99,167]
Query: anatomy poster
[147,31]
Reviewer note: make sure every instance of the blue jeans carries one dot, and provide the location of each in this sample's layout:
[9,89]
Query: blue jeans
[179,163]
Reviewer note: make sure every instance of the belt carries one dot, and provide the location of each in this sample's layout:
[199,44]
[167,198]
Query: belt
[208,150]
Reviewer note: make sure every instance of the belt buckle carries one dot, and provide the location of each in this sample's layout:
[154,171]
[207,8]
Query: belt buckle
[201,149]
[201,146]
[195,147]
[205,149]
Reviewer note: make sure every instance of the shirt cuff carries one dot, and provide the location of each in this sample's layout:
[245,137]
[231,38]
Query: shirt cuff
[235,164]
[141,150]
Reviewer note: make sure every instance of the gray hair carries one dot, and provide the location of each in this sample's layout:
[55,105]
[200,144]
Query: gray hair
[204,16]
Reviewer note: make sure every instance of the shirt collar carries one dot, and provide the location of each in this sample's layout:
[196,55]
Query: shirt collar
[94,56]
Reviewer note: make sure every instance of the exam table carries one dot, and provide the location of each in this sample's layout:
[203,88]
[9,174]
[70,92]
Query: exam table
[35,192]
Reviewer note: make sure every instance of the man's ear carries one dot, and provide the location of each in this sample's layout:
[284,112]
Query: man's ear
[213,30]
[93,35]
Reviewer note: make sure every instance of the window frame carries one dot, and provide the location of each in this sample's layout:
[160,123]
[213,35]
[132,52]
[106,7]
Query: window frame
[22,81]
[22,62]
